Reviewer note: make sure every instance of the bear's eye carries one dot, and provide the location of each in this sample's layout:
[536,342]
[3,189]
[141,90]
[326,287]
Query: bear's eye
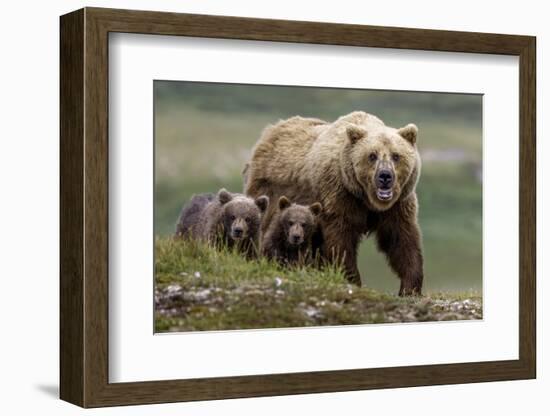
[291,223]
[373,157]
[247,219]
[395,157]
[232,218]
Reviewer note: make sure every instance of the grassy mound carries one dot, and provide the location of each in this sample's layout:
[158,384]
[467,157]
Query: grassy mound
[200,288]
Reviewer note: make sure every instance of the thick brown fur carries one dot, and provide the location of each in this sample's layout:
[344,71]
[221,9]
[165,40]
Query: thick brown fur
[289,238]
[225,219]
[340,165]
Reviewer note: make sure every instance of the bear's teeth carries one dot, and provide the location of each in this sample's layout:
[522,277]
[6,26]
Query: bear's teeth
[384,194]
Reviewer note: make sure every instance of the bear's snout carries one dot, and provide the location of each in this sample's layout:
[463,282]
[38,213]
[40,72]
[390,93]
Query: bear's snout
[238,229]
[384,178]
[296,239]
[296,235]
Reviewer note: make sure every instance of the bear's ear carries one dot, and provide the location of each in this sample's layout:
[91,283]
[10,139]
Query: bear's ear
[284,203]
[224,196]
[409,133]
[355,133]
[316,208]
[262,202]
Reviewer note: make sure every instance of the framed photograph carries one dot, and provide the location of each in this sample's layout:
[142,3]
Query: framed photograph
[255,207]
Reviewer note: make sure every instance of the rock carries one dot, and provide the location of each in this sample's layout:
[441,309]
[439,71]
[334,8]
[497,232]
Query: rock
[198,296]
[312,312]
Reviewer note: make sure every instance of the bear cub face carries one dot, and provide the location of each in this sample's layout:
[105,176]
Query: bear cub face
[297,221]
[241,216]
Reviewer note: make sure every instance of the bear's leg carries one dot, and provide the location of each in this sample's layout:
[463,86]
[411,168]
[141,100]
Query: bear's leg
[340,247]
[400,239]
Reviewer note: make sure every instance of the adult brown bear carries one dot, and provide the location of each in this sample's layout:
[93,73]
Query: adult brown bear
[364,174]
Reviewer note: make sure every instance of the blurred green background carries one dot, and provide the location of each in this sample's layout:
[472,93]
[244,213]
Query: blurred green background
[204,133]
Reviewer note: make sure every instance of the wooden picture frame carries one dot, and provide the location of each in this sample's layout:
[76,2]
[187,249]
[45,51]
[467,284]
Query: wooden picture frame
[84,207]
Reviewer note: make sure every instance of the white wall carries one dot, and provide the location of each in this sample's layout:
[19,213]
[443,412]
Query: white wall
[29,221]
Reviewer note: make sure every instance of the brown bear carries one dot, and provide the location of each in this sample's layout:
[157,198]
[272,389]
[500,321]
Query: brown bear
[289,238]
[225,219]
[364,174]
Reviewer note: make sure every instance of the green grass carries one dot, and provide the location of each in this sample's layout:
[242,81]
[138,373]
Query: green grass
[223,266]
[200,288]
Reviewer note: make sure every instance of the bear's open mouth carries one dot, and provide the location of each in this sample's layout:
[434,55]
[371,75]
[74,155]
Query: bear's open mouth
[384,194]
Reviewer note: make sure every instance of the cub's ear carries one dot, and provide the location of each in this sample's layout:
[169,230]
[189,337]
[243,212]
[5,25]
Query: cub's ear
[316,208]
[409,133]
[355,133]
[224,196]
[284,203]
[262,202]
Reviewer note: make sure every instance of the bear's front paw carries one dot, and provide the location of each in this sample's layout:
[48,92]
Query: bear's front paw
[411,287]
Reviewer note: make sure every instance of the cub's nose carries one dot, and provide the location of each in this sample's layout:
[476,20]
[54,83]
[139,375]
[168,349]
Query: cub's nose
[296,239]
[384,179]
[238,231]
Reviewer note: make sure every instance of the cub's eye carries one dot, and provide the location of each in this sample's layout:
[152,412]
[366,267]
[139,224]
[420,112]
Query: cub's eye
[232,218]
[247,219]
[373,157]
[395,157]
[291,223]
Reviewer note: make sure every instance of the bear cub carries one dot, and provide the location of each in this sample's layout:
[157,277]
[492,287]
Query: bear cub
[289,237]
[225,219]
